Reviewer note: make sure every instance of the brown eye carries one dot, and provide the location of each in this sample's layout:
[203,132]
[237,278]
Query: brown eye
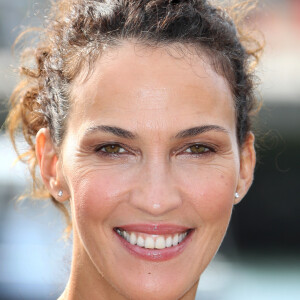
[112,149]
[197,149]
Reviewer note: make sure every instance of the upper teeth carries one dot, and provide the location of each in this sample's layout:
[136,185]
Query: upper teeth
[152,241]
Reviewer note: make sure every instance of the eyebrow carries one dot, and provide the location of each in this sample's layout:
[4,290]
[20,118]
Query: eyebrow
[117,131]
[123,133]
[198,130]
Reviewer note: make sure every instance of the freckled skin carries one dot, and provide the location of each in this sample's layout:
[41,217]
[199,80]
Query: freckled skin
[155,96]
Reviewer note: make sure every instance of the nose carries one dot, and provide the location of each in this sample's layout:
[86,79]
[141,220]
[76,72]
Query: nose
[155,192]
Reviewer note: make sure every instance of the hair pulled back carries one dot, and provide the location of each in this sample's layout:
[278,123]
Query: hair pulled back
[76,33]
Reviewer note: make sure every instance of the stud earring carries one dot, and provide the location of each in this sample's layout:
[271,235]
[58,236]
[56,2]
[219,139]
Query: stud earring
[60,193]
[236,195]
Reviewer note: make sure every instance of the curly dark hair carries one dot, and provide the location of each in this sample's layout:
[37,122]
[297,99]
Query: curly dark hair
[77,31]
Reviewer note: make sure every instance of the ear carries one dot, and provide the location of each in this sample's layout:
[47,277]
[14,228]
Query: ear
[50,166]
[247,165]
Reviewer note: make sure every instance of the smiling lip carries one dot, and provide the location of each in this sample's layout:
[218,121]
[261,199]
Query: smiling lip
[155,230]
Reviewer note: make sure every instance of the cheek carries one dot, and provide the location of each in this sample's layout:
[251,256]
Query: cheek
[97,193]
[211,193]
[208,190]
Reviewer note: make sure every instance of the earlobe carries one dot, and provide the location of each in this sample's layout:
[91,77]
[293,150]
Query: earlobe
[247,166]
[48,163]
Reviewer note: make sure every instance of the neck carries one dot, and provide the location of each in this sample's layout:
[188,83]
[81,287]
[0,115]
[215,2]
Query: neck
[85,281]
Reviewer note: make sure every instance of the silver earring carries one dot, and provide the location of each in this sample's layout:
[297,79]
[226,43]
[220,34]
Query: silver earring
[236,195]
[60,193]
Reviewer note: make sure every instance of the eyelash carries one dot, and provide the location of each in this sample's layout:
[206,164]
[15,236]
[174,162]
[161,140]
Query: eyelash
[208,150]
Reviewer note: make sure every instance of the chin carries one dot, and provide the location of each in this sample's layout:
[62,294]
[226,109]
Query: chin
[154,286]
[136,272]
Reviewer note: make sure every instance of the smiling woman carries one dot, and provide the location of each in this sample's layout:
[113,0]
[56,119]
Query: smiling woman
[138,115]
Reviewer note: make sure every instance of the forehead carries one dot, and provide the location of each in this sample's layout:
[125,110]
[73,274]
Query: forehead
[155,88]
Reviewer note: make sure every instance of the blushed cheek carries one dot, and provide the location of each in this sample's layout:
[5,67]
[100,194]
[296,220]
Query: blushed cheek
[96,195]
[212,196]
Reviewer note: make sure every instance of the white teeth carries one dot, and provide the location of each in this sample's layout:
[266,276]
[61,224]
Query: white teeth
[132,239]
[154,242]
[126,236]
[180,238]
[149,243]
[169,241]
[160,243]
[175,239]
[140,242]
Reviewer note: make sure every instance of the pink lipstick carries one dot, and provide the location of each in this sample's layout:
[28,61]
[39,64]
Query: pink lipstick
[154,242]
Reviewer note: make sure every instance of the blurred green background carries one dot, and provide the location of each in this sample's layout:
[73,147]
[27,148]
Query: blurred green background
[259,258]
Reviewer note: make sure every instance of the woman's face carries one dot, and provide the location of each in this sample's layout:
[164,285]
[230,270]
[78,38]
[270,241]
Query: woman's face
[151,155]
